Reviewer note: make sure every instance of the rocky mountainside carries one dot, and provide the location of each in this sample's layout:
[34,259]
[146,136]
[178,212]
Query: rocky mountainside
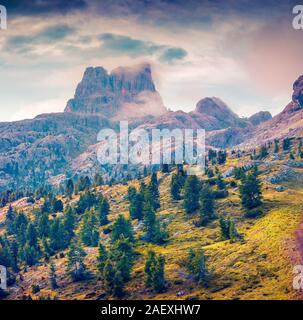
[52,147]
[124,93]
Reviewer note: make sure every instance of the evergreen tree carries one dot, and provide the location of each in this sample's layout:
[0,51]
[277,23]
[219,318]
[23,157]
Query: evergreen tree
[89,230]
[276,149]
[131,193]
[136,206]
[98,180]
[101,259]
[159,277]
[149,268]
[109,276]
[154,231]
[221,157]
[191,194]
[220,183]
[210,173]
[103,212]
[57,206]
[10,220]
[57,235]
[154,191]
[69,223]
[122,227]
[53,277]
[250,191]
[207,211]
[43,225]
[165,168]
[286,144]
[196,265]
[154,272]
[263,152]
[75,261]
[69,189]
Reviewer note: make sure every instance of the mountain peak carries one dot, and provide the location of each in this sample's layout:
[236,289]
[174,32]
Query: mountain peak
[107,93]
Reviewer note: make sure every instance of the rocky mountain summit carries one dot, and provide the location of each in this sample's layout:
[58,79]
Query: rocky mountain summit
[123,93]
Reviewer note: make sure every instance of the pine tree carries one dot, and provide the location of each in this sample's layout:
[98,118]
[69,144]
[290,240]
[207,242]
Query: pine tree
[53,277]
[69,190]
[263,152]
[136,206]
[89,230]
[75,261]
[159,277]
[207,203]
[276,149]
[224,228]
[221,157]
[149,268]
[250,191]
[103,212]
[98,180]
[220,183]
[154,272]
[57,235]
[43,225]
[154,191]
[10,220]
[122,227]
[101,259]
[109,276]
[191,194]
[69,223]
[286,144]
[197,266]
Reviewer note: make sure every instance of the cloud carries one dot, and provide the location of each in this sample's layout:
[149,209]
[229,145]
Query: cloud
[42,7]
[172,54]
[48,35]
[127,46]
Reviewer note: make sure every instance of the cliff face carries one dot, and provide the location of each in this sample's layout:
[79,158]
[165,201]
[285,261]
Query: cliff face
[125,92]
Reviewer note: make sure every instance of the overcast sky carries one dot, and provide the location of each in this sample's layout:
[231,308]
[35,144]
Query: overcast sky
[244,52]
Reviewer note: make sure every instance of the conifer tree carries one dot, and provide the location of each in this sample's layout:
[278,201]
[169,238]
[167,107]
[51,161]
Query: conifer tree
[69,190]
[219,182]
[10,221]
[250,191]
[122,227]
[154,191]
[154,272]
[57,235]
[276,148]
[136,206]
[98,180]
[149,268]
[69,223]
[191,194]
[43,225]
[101,259]
[207,202]
[197,266]
[89,230]
[75,261]
[53,276]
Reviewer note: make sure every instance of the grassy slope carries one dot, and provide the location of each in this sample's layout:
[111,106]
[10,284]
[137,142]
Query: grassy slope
[260,267]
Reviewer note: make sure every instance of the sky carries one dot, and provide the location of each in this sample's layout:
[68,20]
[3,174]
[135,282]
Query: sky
[244,52]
